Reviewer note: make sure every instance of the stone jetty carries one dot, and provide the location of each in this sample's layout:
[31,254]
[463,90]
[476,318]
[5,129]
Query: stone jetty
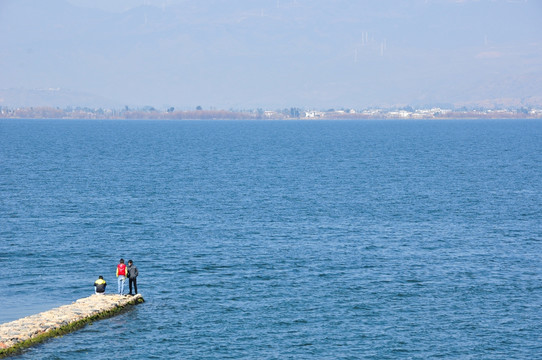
[19,334]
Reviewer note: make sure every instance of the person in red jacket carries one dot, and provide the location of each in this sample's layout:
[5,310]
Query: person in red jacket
[121,275]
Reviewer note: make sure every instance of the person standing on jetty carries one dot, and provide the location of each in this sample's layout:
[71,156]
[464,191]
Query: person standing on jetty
[132,276]
[121,275]
[99,285]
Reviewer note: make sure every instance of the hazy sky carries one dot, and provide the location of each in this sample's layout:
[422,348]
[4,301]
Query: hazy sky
[274,53]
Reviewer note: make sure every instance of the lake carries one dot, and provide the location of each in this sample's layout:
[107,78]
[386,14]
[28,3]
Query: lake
[279,239]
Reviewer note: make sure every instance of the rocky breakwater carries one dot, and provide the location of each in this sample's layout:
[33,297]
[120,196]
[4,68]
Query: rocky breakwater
[19,334]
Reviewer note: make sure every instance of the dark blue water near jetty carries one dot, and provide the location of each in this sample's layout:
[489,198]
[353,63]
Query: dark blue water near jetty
[277,240]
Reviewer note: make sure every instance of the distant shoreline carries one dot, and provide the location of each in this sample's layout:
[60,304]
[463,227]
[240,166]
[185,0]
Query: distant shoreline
[285,114]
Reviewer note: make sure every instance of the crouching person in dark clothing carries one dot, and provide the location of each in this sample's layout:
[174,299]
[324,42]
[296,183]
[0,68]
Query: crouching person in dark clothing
[132,276]
[99,285]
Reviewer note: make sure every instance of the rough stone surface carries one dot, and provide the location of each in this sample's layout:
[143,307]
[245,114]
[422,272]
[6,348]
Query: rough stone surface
[49,323]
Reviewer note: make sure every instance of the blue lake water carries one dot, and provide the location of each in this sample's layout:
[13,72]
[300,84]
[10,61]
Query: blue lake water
[279,240]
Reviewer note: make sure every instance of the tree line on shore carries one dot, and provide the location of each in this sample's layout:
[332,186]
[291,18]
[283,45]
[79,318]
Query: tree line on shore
[47,112]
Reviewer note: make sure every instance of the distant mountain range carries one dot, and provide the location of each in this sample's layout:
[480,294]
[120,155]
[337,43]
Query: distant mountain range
[271,53]
[62,98]
[53,97]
